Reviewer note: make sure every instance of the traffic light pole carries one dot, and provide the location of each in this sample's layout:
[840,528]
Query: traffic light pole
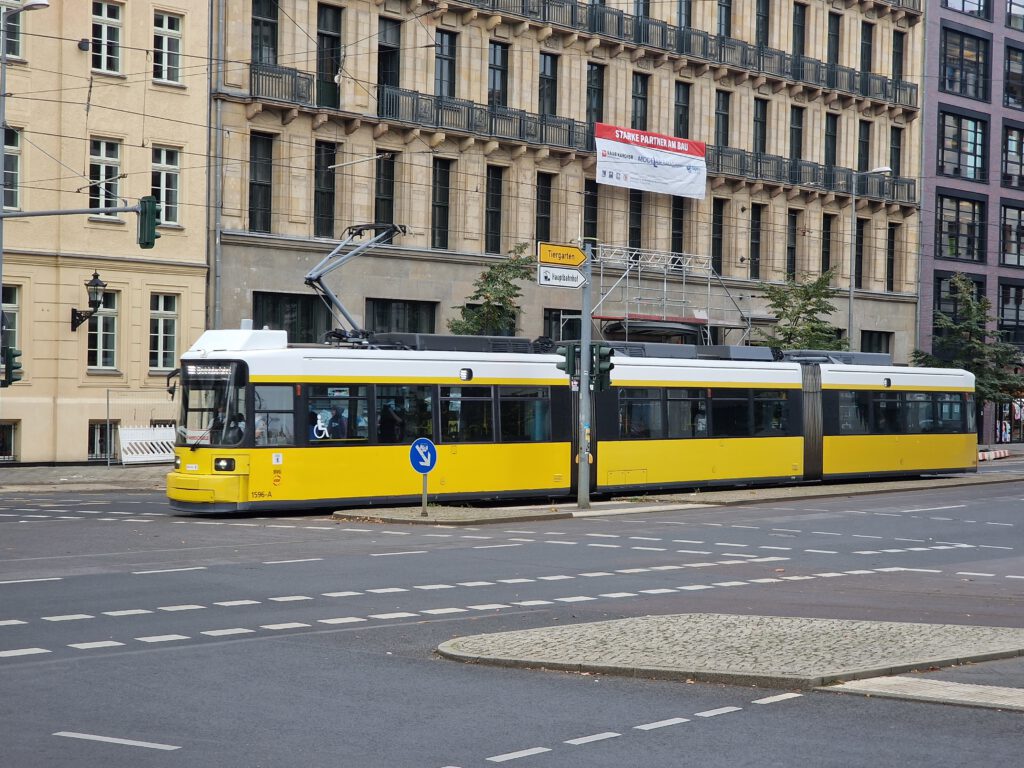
[583,456]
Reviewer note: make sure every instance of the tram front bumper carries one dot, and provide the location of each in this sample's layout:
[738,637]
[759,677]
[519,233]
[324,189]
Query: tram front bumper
[189,490]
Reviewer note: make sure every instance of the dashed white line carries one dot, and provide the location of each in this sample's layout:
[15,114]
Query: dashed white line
[11,622]
[516,755]
[170,570]
[780,697]
[286,562]
[495,546]
[341,620]
[69,617]
[590,739]
[234,603]
[22,652]
[531,603]
[487,606]
[341,594]
[161,638]
[30,581]
[443,611]
[288,625]
[112,740]
[661,724]
[98,644]
[972,573]
[397,615]
[716,712]
[392,554]
[289,598]
[386,590]
[172,608]
[227,632]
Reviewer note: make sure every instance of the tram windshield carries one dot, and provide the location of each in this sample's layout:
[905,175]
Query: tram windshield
[212,404]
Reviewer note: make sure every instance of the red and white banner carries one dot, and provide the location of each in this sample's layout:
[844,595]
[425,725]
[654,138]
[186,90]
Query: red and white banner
[650,161]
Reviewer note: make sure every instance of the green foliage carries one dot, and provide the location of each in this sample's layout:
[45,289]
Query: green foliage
[494,301]
[799,308]
[968,341]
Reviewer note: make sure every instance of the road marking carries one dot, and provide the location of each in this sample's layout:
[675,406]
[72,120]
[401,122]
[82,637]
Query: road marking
[396,533]
[618,594]
[666,567]
[1008,525]
[289,625]
[289,598]
[646,538]
[494,546]
[476,537]
[437,586]
[233,603]
[398,615]
[68,617]
[531,603]
[98,644]
[386,590]
[170,570]
[487,606]
[391,554]
[605,546]
[780,697]
[515,581]
[341,620]
[822,551]
[22,652]
[764,581]
[661,724]
[780,549]
[226,632]
[443,611]
[161,638]
[554,578]
[575,599]
[716,712]
[475,583]
[11,622]
[827,533]
[340,594]
[112,740]
[31,581]
[595,737]
[694,587]
[972,573]
[864,536]
[935,509]
[594,574]
[648,549]
[286,562]
[171,608]
[570,543]
[657,591]
[735,583]
[603,535]
[517,755]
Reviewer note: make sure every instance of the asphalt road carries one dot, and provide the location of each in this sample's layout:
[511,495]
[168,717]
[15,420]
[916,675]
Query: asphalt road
[132,637]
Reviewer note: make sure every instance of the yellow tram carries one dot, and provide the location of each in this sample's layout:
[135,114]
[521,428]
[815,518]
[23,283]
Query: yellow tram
[267,425]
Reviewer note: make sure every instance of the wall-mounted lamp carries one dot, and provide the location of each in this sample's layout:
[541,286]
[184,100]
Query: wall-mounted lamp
[95,288]
[84,44]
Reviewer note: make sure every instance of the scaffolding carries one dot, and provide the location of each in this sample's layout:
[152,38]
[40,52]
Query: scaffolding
[665,293]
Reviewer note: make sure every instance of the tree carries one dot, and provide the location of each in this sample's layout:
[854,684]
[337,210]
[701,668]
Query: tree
[799,308]
[966,340]
[492,308]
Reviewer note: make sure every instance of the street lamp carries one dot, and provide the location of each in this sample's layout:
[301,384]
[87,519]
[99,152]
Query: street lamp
[855,177]
[28,5]
[95,289]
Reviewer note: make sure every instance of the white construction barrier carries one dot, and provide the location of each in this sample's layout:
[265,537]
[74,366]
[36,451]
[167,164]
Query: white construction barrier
[147,445]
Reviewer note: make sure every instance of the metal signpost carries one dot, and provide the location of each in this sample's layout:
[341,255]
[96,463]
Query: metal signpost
[423,458]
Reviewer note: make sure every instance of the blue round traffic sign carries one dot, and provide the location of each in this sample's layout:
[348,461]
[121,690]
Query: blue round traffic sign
[423,455]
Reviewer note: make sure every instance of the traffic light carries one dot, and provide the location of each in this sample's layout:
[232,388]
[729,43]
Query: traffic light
[568,361]
[602,374]
[148,209]
[12,368]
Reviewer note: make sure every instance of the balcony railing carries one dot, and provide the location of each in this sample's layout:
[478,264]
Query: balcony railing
[269,81]
[698,44]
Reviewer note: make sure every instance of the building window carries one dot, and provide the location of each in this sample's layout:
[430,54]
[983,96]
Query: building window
[722,118]
[12,168]
[762,23]
[717,234]
[8,433]
[1015,14]
[106,37]
[444,63]
[9,297]
[678,226]
[163,331]
[724,26]
[960,229]
[977,8]
[681,112]
[858,253]
[400,316]
[328,55]
[876,341]
[684,13]
[962,152]
[590,209]
[635,235]
[324,156]
[547,87]
[497,75]
[384,191]
[165,183]
[792,228]
[867,46]
[638,116]
[562,324]
[761,126]
[1011,227]
[796,133]
[831,139]
[947,300]
[264,32]
[103,334]
[1013,158]
[835,22]
[863,145]
[756,235]
[964,65]
[1013,87]
[166,47]
[104,170]
[440,207]
[828,229]
[102,437]
[303,316]
[799,30]
[899,48]
[389,52]
[1011,312]
[595,93]
[492,208]
[13,42]
[261,177]
[891,254]
[896,151]
[542,217]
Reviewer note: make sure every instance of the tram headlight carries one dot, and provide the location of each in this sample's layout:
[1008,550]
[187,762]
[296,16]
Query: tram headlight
[177,462]
[224,465]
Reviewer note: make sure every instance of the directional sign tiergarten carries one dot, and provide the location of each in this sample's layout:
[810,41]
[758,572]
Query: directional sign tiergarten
[560,255]
[559,276]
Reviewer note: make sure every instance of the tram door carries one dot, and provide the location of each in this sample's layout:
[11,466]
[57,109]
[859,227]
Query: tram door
[812,418]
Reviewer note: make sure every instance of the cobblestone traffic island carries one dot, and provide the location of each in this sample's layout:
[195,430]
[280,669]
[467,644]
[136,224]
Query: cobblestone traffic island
[768,651]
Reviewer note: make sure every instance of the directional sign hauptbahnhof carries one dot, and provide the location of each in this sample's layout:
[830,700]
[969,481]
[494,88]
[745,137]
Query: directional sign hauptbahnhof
[559,255]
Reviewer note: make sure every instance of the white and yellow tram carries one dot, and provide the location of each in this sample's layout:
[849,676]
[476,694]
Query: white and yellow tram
[268,425]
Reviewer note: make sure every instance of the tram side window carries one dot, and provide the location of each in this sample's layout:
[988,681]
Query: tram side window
[770,412]
[971,411]
[854,413]
[338,412]
[687,413]
[730,413]
[524,414]
[466,415]
[404,413]
[640,414]
[275,415]
[949,412]
[886,414]
[918,412]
